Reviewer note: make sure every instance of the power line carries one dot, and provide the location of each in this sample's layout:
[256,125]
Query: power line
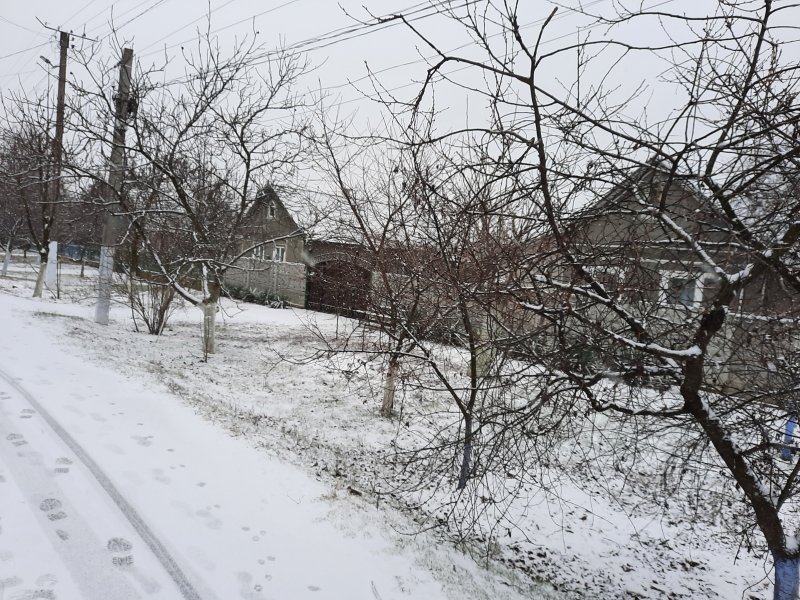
[18,73]
[10,22]
[341,31]
[110,8]
[153,6]
[468,44]
[350,32]
[84,7]
[79,11]
[25,50]
[273,9]
[462,68]
[189,24]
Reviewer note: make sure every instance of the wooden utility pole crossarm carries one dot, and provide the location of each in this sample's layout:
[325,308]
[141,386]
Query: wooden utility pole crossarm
[116,173]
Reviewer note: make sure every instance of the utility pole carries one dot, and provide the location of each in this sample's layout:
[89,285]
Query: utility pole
[47,266]
[58,158]
[116,173]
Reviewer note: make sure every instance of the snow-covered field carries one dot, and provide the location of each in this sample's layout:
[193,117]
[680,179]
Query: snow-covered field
[256,473]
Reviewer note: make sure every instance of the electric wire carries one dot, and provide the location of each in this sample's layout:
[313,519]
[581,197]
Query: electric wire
[189,24]
[10,22]
[416,12]
[239,22]
[79,11]
[25,50]
[349,32]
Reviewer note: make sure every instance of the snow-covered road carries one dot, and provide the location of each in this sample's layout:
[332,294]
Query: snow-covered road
[236,521]
[79,537]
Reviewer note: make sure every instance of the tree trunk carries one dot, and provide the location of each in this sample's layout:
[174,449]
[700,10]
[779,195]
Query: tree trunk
[466,458]
[105,274]
[389,387]
[51,273]
[209,325]
[7,258]
[37,290]
[787,577]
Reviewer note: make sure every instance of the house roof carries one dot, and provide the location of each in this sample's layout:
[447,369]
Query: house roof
[256,215]
[648,175]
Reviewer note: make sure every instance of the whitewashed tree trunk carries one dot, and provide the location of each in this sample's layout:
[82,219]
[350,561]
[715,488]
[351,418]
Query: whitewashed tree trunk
[52,266]
[389,387]
[7,258]
[104,285]
[787,577]
[209,325]
[37,290]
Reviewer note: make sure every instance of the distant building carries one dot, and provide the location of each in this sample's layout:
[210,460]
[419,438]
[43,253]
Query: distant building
[274,246]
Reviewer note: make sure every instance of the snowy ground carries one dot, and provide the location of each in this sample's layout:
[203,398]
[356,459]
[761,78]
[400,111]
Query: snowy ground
[235,521]
[255,473]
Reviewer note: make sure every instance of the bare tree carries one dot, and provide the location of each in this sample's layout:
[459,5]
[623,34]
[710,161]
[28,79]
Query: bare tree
[211,141]
[11,219]
[667,252]
[439,245]
[30,174]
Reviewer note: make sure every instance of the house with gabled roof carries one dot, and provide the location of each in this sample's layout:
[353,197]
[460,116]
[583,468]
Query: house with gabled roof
[658,250]
[274,247]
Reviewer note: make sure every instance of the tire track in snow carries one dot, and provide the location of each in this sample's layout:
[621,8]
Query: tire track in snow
[157,548]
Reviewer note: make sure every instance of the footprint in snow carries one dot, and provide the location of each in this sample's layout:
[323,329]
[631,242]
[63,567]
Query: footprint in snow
[62,465]
[51,506]
[16,439]
[158,475]
[248,590]
[143,440]
[122,558]
[212,522]
[120,550]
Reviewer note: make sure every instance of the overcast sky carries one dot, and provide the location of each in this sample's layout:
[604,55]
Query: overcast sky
[155,27]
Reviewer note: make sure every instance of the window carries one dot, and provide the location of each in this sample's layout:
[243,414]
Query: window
[271,210]
[681,290]
[279,254]
[258,253]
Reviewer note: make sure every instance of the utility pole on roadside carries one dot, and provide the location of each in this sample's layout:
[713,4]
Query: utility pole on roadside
[58,158]
[47,270]
[47,265]
[116,173]
[58,141]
